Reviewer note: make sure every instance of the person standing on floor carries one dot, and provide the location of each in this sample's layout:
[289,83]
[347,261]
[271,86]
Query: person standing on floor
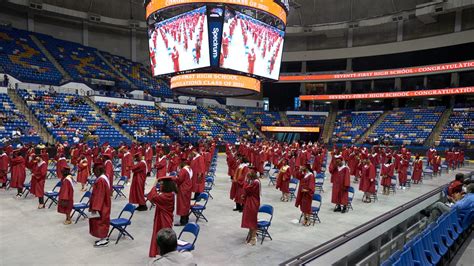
[100,203]
[184,183]
[39,171]
[251,198]
[66,194]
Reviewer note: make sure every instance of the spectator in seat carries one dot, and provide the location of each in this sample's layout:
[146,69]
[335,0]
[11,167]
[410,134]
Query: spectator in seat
[168,243]
[455,188]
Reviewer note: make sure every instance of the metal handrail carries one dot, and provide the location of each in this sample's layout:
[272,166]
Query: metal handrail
[327,246]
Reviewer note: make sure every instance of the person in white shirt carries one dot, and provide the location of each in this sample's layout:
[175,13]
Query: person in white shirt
[168,243]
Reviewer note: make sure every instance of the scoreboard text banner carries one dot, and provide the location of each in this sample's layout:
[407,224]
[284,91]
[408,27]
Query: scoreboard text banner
[291,129]
[268,6]
[382,73]
[215,80]
[383,95]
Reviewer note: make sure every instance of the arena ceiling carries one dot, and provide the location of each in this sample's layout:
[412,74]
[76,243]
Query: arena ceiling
[302,12]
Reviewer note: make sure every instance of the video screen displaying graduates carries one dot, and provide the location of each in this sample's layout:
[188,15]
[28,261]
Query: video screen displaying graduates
[176,44]
[251,46]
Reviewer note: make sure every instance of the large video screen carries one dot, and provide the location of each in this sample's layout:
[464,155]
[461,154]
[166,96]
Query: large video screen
[176,44]
[251,46]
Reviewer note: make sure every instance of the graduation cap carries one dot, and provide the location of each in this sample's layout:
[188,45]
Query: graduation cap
[163,178]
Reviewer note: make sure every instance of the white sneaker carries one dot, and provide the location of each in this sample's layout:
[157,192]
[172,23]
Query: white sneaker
[101,243]
[404,188]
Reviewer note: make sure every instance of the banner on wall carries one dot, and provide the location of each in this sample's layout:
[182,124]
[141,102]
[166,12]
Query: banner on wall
[215,20]
[467,65]
[383,95]
[290,129]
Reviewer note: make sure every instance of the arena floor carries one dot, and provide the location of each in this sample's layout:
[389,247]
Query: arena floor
[31,236]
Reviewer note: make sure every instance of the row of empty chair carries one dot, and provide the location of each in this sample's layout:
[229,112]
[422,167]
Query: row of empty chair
[21,57]
[410,126]
[459,129]
[260,117]
[67,116]
[350,126]
[12,120]
[306,120]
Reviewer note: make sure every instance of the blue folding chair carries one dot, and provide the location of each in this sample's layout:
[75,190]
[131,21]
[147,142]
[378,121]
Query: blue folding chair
[314,209]
[27,189]
[264,224]
[121,223]
[208,185]
[81,206]
[293,187]
[119,187]
[91,182]
[406,259]
[351,197]
[438,241]
[272,179]
[53,195]
[51,173]
[192,228]
[319,182]
[198,209]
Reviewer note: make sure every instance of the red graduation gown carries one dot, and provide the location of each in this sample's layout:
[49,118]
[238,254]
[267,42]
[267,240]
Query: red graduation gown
[137,189]
[183,181]
[417,170]
[160,166]
[82,171]
[402,171]
[109,171]
[100,201]
[149,158]
[127,163]
[236,189]
[340,187]
[18,172]
[367,181]
[283,180]
[164,203]
[251,192]
[304,199]
[197,164]
[4,161]
[38,178]
[386,173]
[60,165]
[66,196]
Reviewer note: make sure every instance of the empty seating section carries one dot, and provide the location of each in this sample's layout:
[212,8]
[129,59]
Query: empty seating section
[409,126]
[67,116]
[139,75]
[81,62]
[228,120]
[146,123]
[262,118]
[11,120]
[196,125]
[21,58]
[307,120]
[350,126]
[459,129]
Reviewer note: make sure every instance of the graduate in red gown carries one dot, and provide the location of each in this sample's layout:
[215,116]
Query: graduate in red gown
[66,195]
[367,182]
[238,181]
[403,170]
[436,163]
[417,170]
[4,163]
[18,172]
[137,189]
[164,202]
[127,162]
[83,172]
[109,169]
[386,173]
[197,164]
[160,164]
[251,197]
[251,61]
[185,185]
[306,188]
[175,58]
[283,181]
[340,176]
[100,203]
[148,158]
[61,162]
[39,171]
